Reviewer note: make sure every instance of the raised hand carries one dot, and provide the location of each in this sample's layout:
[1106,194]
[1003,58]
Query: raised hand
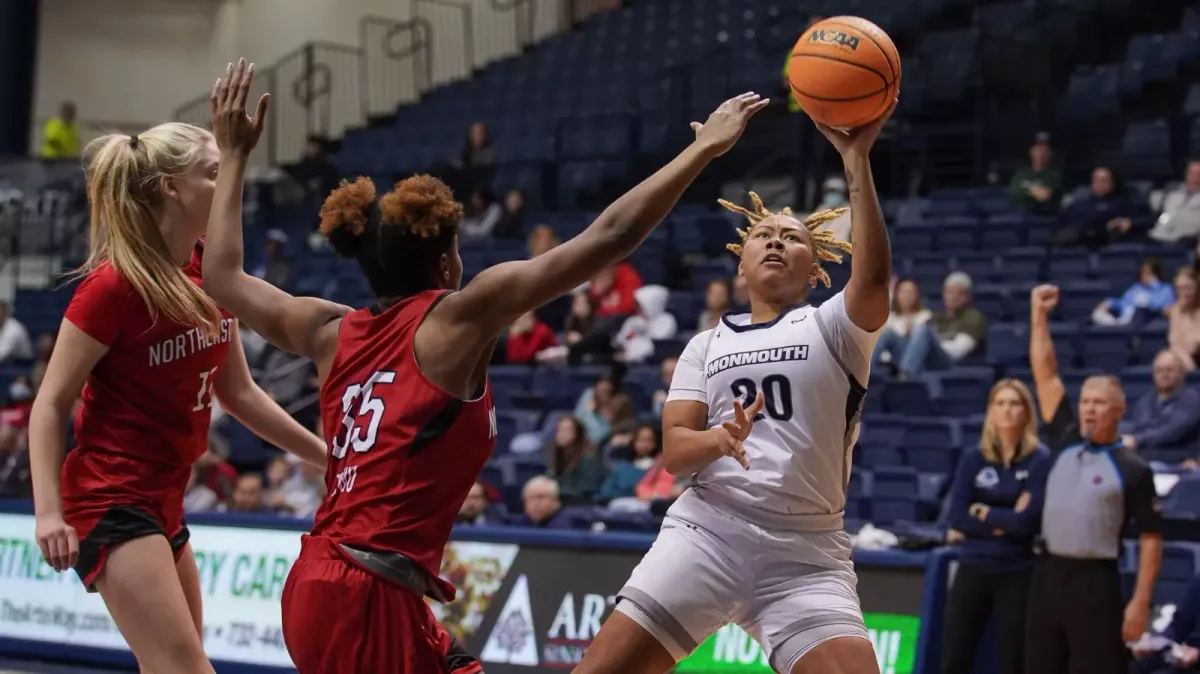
[233,128]
[857,142]
[726,124]
[732,434]
[1043,299]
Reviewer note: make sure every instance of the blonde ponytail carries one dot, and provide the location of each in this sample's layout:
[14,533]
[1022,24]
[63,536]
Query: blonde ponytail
[123,177]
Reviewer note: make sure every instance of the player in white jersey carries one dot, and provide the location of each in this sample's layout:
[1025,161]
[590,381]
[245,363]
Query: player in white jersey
[758,540]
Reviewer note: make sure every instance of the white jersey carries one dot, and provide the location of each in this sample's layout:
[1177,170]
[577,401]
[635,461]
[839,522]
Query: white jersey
[812,365]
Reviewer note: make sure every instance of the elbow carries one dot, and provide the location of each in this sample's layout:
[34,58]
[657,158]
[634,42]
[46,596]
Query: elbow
[671,462]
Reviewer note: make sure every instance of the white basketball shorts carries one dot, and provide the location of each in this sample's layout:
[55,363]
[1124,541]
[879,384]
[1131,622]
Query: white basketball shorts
[789,590]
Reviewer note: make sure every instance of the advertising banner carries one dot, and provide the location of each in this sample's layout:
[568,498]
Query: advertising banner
[520,608]
[550,607]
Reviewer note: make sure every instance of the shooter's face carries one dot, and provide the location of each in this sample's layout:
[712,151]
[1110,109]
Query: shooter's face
[777,259]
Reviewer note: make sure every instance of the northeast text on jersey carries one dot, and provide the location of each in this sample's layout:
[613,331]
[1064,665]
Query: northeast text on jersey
[187,343]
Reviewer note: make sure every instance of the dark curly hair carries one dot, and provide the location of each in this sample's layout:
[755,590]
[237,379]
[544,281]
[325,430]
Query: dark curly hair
[398,239]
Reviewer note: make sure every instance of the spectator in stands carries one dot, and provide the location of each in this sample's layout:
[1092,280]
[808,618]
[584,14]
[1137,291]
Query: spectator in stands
[527,337]
[995,508]
[295,487]
[14,464]
[542,506]
[716,302]
[908,312]
[584,334]
[315,172]
[16,409]
[60,136]
[276,265]
[512,220]
[573,460]
[475,161]
[1183,630]
[629,470]
[649,324]
[741,294]
[604,409]
[1168,417]
[1180,217]
[612,290]
[666,374]
[41,358]
[14,338]
[834,193]
[1183,317]
[950,335]
[214,472]
[199,497]
[1148,298]
[475,508]
[278,472]
[481,213]
[541,239]
[247,495]
[1105,215]
[1038,186]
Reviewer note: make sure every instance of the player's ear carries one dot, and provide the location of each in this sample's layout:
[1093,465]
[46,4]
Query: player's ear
[166,185]
[741,272]
[444,269]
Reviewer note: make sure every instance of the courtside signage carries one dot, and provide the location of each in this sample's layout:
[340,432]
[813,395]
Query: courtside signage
[241,578]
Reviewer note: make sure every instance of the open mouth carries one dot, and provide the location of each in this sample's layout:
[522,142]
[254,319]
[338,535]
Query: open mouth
[773,259]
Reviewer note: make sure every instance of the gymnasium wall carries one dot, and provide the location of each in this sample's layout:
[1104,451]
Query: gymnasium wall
[130,63]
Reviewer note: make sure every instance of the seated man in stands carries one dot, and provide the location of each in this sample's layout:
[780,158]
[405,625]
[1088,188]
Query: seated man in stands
[1180,217]
[951,335]
[543,509]
[477,509]
[1108,213]
[1037,187]
[1167,418]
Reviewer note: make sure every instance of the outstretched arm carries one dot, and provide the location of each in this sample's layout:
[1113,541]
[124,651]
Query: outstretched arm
[499,295]
[302,325]
[1042,360]
[867,296]
[248,403]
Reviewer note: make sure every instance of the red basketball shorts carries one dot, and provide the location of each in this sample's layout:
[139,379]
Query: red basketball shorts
[111,499]
[340,619]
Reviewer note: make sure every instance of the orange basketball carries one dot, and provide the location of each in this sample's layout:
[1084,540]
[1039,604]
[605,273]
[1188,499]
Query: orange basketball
[844,71]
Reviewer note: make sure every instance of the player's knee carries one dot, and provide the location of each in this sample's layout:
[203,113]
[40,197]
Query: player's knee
[625,646]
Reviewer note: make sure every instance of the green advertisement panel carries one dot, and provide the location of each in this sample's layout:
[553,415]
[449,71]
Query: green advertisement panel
[732,651]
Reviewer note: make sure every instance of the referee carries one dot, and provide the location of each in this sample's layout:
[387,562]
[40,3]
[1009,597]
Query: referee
[1094,487]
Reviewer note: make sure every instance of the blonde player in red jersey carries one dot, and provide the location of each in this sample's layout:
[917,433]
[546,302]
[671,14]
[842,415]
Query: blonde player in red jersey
[150,352]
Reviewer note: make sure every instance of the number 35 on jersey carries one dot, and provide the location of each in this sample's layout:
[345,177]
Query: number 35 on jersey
[362,412]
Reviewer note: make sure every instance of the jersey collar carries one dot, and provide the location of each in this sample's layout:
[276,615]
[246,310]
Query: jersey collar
[727,317]
[1108,447]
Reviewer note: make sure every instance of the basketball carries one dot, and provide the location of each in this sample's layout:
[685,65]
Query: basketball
[844,71]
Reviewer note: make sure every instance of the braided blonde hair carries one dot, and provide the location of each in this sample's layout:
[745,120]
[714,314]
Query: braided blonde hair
[826,247]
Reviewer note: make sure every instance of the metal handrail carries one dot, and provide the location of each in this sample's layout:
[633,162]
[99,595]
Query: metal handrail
[464,8]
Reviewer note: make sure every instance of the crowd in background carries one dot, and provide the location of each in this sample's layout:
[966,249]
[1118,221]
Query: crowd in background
[607,452]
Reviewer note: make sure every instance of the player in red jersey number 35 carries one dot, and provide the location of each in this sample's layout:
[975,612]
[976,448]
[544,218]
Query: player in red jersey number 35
[406,405]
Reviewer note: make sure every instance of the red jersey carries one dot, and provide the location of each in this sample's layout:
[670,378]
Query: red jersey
[147,404]
[403,452]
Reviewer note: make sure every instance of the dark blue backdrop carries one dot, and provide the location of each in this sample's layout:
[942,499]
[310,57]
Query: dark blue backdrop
[18,51]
